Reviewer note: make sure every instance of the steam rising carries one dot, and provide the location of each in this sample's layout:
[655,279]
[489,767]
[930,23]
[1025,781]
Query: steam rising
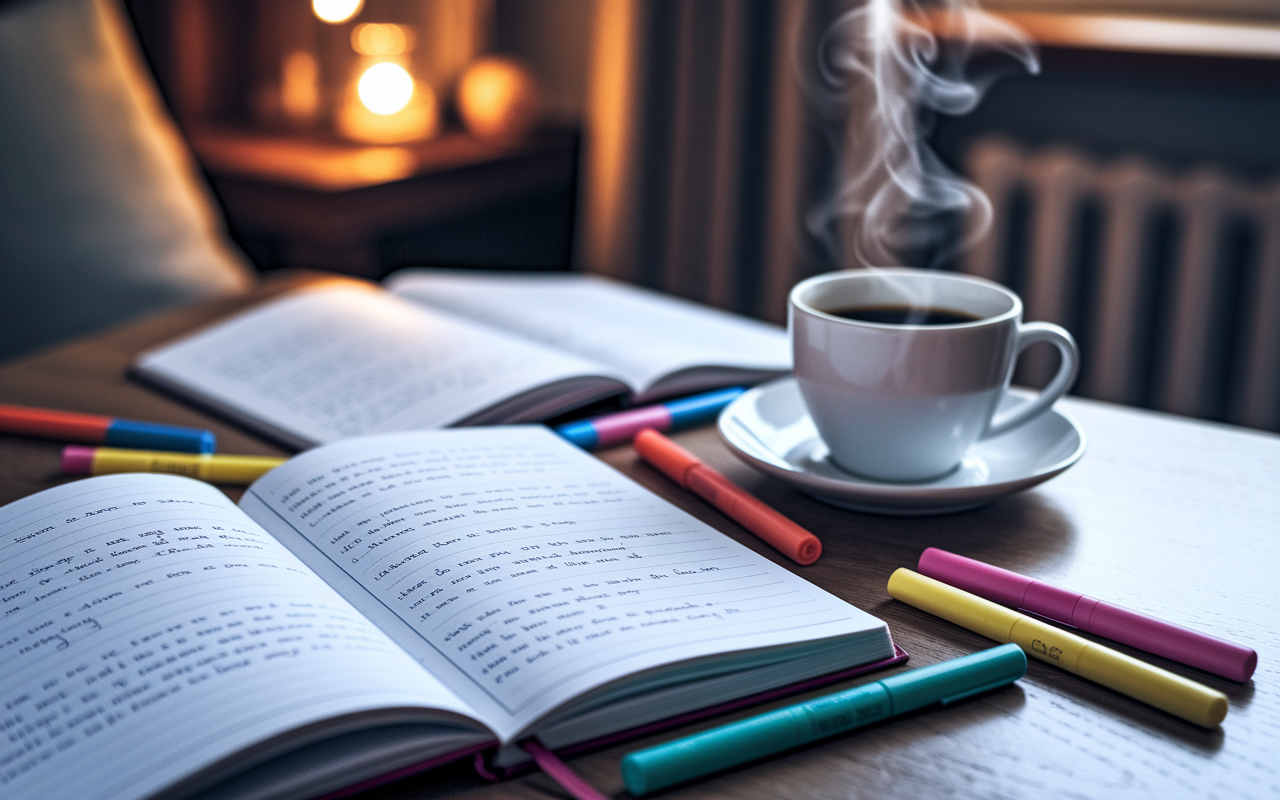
[880,76]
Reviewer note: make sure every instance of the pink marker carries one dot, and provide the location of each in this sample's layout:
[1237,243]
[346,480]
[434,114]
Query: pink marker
[611,429]
[1090,614]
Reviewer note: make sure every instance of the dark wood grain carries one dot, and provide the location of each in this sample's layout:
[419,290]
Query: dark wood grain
[1164,515]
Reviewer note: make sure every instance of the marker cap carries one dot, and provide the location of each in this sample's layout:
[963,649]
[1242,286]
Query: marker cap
[156,436]
[666,455]
[1004,587]
[581,433]
[77,460]
[956,679]
[617,428]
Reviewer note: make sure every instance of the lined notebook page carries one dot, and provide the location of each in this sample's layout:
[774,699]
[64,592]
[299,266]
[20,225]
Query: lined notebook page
[643,334]
[331,363]
[148,628]
[523,571]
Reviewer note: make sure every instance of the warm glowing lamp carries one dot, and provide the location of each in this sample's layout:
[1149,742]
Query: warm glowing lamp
[385,88]
[498,99]
[388,107]
[336,12]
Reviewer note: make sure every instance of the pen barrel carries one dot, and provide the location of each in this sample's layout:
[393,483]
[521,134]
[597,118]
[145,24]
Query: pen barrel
[1175,694]
[158,436]
[789,538]
[747,740]
[952,604]
[1172,693]
[231,470]
[1189,647]
[737,743]
[1180,644]
[700,409]
[238,470]
[52,424]
[617,428]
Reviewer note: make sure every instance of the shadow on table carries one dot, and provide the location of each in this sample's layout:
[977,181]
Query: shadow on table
[1026,532]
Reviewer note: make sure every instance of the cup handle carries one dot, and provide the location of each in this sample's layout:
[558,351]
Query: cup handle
[1034,333]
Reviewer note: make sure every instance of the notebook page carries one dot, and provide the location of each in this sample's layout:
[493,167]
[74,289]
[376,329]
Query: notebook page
[644,334]
[330,363]
[148,628]
[523,571]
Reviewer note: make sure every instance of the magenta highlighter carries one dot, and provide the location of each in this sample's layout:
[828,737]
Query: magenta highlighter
[1090,614]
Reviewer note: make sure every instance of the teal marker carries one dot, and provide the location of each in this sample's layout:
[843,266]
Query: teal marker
[655,768]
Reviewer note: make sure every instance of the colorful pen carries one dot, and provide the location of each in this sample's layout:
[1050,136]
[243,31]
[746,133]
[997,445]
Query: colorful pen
[685,469]
[654,768]
[96,429]
[611,429]
[1179,696]
[1090,614]
[232,470]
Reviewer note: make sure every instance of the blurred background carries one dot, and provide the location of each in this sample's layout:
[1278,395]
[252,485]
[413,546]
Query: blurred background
[1134,181]
[267,91]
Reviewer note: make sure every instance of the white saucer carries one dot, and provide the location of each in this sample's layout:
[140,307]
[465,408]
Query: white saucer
[769,428]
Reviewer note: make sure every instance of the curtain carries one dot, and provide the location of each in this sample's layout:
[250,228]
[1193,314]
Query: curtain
[700,155]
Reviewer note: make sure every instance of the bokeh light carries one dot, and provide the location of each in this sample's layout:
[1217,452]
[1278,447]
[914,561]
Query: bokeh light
[381,39]
[300,86]
[498,99]
[336,11]
[385,88]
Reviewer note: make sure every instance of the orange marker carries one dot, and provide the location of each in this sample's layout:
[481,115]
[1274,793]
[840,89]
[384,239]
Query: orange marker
[684,468]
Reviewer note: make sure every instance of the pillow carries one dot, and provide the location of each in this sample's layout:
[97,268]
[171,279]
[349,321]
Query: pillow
[103,213]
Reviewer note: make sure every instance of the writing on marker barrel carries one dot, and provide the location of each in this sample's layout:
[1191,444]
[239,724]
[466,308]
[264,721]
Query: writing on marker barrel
[1189,647]
[744,741]
[71,426]
[690,473]
[1179,696]
[610,429]
[224,469]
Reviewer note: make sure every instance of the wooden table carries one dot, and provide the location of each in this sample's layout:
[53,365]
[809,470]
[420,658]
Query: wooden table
[1164,515]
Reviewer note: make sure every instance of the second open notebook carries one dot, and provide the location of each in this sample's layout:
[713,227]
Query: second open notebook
[372,604]
[446,348]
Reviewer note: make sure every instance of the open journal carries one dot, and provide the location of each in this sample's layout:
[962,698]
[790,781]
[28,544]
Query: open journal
[441,348]
[373,604]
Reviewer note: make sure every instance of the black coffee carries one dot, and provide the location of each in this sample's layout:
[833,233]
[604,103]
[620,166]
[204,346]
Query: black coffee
[905,315]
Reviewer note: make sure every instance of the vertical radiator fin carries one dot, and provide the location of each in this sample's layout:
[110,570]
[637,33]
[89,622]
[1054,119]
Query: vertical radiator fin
[1180,317]
[1258,403]
[1131,193]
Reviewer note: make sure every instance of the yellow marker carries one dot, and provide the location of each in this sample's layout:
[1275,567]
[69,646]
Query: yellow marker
[1179,696]
[238,470]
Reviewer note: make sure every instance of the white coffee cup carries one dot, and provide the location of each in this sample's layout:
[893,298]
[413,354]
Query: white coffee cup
[904,402]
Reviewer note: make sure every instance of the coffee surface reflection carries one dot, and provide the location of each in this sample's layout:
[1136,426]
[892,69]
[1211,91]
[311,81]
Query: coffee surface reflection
[905,315]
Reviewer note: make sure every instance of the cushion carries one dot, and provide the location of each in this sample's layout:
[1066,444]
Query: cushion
[103,212]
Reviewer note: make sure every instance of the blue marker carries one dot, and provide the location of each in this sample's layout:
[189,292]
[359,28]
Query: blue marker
[654,768]
[611,429]
[157,436]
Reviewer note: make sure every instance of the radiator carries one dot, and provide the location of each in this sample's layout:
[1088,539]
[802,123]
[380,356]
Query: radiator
[1170,281]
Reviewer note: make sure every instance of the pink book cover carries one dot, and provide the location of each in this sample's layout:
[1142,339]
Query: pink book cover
[482,753]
